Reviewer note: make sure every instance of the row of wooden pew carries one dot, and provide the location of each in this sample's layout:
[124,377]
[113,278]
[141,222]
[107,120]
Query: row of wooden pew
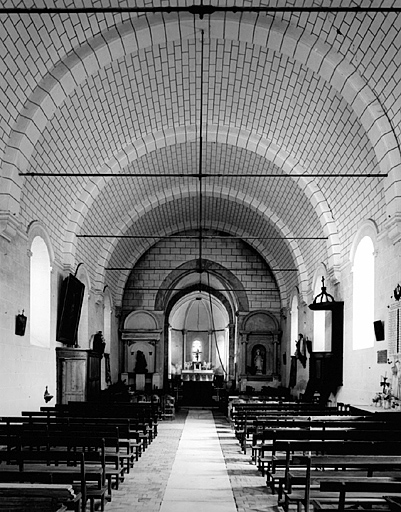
[66,456]
[323,458]
[243,414]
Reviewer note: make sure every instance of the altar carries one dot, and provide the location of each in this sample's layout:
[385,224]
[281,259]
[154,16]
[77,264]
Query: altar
[197,388]
[197,383]
[197,375]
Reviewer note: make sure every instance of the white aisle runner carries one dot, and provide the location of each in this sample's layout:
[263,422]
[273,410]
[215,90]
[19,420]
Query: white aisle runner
[199,481]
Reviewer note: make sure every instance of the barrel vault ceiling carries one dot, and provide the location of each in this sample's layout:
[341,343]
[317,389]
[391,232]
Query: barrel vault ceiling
[169,122]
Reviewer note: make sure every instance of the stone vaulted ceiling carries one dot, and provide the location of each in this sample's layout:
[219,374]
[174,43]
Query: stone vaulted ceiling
[127,96]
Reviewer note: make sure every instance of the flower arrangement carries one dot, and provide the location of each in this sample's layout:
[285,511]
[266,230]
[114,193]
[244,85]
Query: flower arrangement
[383,398]
[386,400]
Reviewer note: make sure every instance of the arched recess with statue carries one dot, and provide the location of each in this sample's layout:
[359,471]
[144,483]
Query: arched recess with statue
[140,353]
[260,351]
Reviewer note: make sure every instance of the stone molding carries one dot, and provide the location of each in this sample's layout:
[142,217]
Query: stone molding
[9,225]
[393,228]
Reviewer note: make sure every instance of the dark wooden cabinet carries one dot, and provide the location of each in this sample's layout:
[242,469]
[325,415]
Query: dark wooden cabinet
[78,374]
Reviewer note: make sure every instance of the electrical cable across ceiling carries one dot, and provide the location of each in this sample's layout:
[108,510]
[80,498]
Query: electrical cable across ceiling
[200,268]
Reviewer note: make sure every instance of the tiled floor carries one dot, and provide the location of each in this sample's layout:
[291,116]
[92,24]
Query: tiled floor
[194,465]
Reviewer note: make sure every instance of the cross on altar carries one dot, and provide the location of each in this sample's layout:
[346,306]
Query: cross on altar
[197,354]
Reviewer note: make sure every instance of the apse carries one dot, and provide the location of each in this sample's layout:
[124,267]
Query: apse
[198,338]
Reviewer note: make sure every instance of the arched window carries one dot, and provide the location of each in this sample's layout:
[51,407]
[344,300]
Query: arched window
[363,294]
[294,322]
[40,293]
[107,312]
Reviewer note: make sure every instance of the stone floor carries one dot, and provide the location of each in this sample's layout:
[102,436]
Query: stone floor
[194,465]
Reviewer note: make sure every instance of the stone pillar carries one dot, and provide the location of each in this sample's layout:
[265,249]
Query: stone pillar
[244,350]
[231,351]
[184,351]
[276,355]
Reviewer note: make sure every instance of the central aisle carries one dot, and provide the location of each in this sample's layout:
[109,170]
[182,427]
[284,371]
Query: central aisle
[199,479]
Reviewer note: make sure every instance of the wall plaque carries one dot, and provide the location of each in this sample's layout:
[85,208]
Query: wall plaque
[382,356]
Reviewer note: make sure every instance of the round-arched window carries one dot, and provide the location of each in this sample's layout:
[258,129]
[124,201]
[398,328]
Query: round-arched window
[40,293]
[294,322]
[363,294]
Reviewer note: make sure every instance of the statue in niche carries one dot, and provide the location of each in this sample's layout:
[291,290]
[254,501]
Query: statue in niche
[141,365]
[258,361]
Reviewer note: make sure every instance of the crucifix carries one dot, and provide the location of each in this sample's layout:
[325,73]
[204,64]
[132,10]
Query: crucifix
[197,354]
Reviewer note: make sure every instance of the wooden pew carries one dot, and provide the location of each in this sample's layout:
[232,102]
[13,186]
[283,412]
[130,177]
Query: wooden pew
[247,410]
[19,499]
[243,422]
[268,438]
[265,422]
[141,421]
[131,431]
[146,412]
[44,429]
[119,456]
[130,440]
[106,465]
[346,491]
[122,444]
[30,485]
[41,468]
[263,427]
[349,458]
[290,471]
[80,457]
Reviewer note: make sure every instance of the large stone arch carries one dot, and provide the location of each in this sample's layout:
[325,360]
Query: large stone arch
[129,264]
[231,136]
[146,31]
[163,298]
[177,194]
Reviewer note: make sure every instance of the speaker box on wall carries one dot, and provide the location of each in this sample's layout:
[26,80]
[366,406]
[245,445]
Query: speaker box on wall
[20,324]
[379,330]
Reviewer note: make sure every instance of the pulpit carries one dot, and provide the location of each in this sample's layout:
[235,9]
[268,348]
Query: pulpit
[78,374]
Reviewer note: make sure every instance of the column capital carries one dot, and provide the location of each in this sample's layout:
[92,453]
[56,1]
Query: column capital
[9,225]
[98,295]
[334,274]
[393,228]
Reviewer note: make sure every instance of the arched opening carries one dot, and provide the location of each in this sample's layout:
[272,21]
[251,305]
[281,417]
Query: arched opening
[198,346]
[363,294]
[40,294]
[294,322]
[107,330]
